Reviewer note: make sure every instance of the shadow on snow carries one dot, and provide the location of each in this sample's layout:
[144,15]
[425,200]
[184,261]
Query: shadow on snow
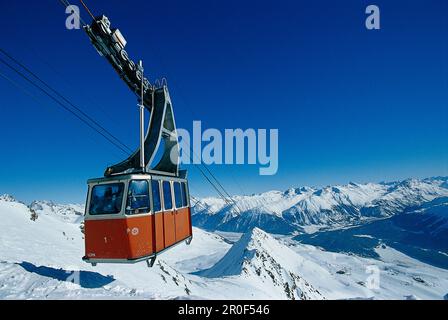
[86,279]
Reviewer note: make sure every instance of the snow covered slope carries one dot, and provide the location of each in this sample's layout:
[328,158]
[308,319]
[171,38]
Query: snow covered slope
[302,208]
[288,270]
[260,260]
[42,256]
[420,232]
[41,259]
[393,275]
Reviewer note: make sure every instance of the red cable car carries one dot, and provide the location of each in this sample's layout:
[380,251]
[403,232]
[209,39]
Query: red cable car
[133,217]
[137,210]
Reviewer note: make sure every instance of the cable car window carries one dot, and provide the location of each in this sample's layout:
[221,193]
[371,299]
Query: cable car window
[106,198]
[156,195]
[178,194]
[168,201]
[184,195]
[138,197]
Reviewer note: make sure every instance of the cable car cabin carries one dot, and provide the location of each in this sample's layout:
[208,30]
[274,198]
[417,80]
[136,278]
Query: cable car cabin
[134,217]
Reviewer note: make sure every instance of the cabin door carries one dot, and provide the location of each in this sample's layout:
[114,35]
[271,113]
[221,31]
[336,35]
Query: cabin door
[168,215]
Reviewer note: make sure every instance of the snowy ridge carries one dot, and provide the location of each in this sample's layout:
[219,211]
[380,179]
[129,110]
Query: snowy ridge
[332,206]
[68,212]
[7,198]
[260,259]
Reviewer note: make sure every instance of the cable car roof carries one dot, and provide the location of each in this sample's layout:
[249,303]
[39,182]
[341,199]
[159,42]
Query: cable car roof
[135,176]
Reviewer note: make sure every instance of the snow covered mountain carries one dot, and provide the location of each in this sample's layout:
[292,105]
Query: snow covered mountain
[261,260]
[420,232]
[7,198]
[310,208]
[67,212]
[41,259]
[429,219]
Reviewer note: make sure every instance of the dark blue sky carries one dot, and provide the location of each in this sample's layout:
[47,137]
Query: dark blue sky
[350,104]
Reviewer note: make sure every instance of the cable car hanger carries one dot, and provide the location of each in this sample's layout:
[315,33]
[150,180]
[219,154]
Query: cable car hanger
[110,43]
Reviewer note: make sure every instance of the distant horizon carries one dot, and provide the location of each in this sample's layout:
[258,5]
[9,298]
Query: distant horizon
[55,201]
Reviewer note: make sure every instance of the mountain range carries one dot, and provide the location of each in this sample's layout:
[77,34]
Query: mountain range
[304,243]
[307,209]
